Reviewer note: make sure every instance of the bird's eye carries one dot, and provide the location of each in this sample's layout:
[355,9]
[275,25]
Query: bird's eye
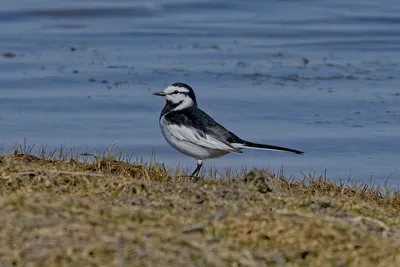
[176,91]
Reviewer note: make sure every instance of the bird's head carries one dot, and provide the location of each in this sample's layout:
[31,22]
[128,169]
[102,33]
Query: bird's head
[180,95]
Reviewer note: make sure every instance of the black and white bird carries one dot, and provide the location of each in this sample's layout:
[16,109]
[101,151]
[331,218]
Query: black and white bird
[193,132]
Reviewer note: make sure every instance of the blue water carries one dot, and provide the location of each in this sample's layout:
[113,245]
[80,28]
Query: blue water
[84,71]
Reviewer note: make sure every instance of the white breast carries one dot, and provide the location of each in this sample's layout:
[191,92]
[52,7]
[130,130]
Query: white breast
[180,143]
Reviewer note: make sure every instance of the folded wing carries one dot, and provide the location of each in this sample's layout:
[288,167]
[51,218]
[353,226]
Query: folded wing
[200,138]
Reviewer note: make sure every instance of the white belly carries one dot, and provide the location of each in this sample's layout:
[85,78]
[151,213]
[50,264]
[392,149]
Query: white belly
[189,148]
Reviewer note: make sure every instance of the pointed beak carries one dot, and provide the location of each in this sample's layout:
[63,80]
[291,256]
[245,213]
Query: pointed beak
[159,94]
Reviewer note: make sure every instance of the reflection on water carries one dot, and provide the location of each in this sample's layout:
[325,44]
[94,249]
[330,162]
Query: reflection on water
[321,77]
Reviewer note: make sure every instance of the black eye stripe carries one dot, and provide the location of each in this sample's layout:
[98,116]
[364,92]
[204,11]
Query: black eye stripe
[177,92]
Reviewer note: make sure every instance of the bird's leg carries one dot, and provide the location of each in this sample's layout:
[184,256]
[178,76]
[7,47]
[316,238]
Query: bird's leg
[197,170]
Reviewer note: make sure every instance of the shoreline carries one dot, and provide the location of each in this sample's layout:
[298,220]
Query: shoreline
[113,213]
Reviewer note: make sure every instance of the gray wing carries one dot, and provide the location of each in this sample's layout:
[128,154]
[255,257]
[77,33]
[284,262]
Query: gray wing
[206,128]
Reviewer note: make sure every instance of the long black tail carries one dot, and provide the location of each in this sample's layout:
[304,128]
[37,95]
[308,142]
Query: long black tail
[269,147]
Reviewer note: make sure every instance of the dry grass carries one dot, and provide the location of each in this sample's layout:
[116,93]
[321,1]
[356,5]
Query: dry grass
[111,213]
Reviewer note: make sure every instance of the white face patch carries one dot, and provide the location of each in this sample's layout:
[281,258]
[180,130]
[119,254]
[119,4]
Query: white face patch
[179,96]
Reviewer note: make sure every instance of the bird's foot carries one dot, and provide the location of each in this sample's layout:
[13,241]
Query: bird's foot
[195,178]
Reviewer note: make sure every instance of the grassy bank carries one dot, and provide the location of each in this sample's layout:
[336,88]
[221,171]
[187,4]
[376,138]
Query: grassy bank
[110,213]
